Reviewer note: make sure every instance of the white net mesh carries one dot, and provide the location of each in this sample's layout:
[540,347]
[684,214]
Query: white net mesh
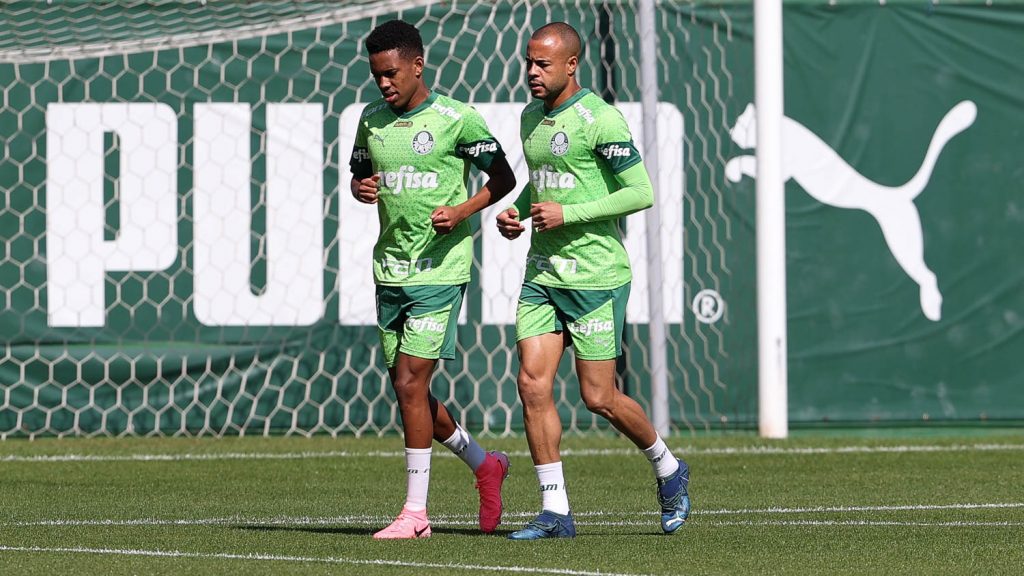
[178,260]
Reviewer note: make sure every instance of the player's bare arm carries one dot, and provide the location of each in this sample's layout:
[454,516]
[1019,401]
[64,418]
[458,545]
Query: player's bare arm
[501,181]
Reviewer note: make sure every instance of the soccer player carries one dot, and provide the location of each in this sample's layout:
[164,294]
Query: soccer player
[411,158]
[585,173]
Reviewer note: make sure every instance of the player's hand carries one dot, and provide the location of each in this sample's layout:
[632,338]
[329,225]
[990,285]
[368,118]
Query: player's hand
[444,219]
[546,216]
[367,190]
[509,225]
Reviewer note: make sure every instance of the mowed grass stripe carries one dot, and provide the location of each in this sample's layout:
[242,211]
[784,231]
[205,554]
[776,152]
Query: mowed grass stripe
[922,506]
[309,560]
[685,452]
[582,518]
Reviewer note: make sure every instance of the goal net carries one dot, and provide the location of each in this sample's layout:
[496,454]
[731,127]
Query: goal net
[178,259]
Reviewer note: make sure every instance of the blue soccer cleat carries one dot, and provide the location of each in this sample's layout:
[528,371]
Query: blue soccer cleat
[547,525]
[674,499]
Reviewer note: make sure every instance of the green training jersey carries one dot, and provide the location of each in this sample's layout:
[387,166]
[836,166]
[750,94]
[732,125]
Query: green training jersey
[575,153]
[422,157]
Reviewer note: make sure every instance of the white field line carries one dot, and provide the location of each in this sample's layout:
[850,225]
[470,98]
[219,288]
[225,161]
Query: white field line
[683,451]
[305,559]
[954,524]
[594,518]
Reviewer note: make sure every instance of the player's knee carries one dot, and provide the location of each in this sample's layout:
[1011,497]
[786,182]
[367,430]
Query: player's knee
[408,389]
[600,403]
[533,391]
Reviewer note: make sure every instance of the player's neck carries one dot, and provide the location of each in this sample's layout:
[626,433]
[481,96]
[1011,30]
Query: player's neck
[571,89]
[418,98]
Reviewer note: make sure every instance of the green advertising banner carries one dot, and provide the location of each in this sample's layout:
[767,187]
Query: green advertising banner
[178,258]
[905,212]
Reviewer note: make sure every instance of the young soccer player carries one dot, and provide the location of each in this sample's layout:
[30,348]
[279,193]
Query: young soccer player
[411,158]
[585,173]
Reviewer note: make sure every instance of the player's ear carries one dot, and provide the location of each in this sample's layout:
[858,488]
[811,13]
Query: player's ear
[417,65]
[571,65]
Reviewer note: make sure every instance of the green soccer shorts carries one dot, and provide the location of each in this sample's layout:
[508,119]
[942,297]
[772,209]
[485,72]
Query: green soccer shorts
[419,321]
[594,318]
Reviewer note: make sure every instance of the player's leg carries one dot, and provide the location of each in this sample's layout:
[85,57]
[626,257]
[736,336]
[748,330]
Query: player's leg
[410,379]
[599,394]
[597,340]
[490,468]
[429,332]
[597,388]
[541,344]
[539,357]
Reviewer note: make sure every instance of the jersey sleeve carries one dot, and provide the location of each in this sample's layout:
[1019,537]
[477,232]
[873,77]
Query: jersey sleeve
[476,143]
[612,142]
[635,193]
[359,162]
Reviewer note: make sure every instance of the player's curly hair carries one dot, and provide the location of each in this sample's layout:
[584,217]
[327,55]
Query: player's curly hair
[395,35]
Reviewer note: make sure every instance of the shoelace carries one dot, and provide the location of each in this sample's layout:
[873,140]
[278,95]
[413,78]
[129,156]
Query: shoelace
[536,524]
[404,520]
[669,502]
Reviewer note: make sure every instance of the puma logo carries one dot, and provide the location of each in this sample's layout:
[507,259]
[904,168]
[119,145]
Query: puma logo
[828,178]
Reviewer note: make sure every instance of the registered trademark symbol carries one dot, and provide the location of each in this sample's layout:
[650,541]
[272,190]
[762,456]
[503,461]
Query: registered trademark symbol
[708,306]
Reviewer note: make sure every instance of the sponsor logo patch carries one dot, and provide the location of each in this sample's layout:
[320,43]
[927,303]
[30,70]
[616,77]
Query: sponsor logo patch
[407,178]
[584,112]
[446,111]
[560,265]
[546,178]
[404,267]
[479,148]
[615,151]
[425,325]
[592,326]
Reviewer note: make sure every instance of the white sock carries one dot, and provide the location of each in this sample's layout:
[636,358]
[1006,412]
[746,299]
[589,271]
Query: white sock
[661,459]
[553,496]
[463,446]
[417,467]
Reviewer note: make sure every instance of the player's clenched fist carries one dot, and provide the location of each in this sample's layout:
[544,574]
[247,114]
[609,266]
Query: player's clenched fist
[509,225]
[444,219]
[366,190]
[546,216]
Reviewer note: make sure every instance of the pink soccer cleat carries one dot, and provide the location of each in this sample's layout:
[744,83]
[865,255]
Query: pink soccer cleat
[489,478]
[408,525]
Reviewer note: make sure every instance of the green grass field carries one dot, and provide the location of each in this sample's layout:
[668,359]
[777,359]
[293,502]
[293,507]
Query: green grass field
[811,505]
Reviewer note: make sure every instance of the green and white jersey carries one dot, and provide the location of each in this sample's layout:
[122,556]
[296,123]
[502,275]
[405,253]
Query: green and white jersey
[574,154]
[422,158]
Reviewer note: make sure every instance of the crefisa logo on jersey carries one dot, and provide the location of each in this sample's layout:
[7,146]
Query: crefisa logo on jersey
[559,144]
[591,326]
[423,142]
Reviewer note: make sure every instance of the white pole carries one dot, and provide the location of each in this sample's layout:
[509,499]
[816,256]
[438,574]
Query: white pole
[655,285]
[773,416]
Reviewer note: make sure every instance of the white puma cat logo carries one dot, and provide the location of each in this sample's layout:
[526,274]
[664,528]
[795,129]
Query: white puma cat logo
[829,179]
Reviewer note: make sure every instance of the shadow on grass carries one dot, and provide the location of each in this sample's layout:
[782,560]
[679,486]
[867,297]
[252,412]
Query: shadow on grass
[358,530]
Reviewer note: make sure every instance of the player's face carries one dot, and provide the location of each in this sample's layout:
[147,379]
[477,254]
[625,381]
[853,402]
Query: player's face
[397,77]
[548,67]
